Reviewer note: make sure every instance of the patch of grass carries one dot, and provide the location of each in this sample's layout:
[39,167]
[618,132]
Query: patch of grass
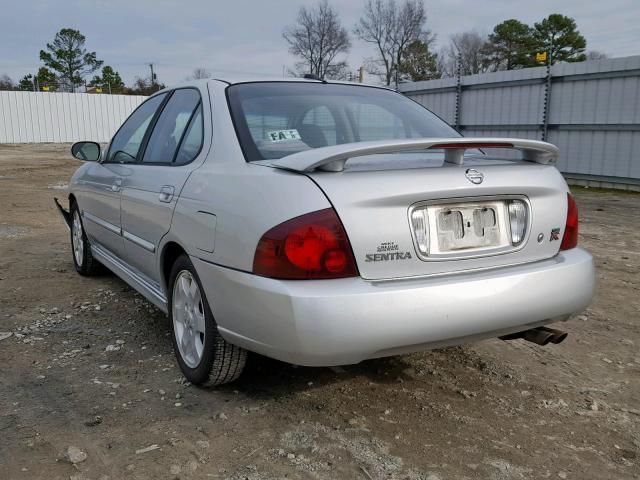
[580,189]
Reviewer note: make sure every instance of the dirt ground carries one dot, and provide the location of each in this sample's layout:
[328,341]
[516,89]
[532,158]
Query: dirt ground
[89,365]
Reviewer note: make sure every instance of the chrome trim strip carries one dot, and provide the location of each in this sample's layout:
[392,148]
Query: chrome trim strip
[141,242]
[103,223]
[151,292]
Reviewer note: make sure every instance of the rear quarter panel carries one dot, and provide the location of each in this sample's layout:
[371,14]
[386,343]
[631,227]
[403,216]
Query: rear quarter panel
[246,199]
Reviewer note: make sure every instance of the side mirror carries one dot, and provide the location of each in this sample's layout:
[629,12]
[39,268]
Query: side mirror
[86,151]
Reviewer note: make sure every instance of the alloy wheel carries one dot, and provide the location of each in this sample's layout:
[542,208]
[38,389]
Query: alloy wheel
[77,240]
[188,318]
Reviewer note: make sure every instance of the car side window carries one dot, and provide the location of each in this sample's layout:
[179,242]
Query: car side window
[171,126]
[126,143]
[192,141]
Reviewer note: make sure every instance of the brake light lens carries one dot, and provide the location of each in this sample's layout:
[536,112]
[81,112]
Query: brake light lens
[312,246]
[570,237]
[446,146]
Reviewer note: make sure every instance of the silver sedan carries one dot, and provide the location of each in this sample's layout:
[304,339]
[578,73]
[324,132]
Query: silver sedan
[325,223]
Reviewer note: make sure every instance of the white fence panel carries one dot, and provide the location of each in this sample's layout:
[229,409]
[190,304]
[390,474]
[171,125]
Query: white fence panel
[41,117]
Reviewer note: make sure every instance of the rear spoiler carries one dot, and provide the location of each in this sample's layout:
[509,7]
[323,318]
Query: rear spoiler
[333,158]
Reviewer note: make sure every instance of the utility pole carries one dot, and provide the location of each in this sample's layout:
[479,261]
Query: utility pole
[547,100]
[458,109]
[153,76]
[361,74]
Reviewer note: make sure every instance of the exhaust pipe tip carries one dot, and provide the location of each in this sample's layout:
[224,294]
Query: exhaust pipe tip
[537,336]
[540,336]
[557,336]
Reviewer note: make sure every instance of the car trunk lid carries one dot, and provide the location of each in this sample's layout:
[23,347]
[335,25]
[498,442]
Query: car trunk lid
[375,195]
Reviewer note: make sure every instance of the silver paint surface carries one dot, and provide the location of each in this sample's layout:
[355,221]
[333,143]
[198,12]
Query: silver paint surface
[221,206]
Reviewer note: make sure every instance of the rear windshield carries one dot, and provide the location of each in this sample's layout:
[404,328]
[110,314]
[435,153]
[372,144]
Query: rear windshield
[277,119]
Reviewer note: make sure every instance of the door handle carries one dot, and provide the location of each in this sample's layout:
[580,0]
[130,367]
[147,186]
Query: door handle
[166,193]
[117,184]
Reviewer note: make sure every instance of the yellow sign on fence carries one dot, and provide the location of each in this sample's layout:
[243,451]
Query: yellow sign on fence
[541,57]
[45,88]
[98,90]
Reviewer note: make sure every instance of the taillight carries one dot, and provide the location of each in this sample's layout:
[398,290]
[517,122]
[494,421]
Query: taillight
[570,237]
[312,246]
[517,221]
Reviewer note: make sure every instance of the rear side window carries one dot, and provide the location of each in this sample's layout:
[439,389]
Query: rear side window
[171,126]
[126,143]
[192,141]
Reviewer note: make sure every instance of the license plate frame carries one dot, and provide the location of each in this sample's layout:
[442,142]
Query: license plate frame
[499,241]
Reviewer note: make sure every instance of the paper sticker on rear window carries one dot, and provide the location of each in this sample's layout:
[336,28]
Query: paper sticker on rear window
[283,135]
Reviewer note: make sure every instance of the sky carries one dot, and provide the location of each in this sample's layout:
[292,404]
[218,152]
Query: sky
[238,37]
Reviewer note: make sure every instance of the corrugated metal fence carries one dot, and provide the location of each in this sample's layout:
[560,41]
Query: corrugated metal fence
[38,117]
[590,110]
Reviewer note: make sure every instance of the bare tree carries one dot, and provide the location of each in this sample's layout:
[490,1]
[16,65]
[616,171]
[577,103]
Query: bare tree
[596,55]
[375,26]
[200,74]
[318,38]
[338,71]
[467,51]
[391,27]
[144,86]
[6,83]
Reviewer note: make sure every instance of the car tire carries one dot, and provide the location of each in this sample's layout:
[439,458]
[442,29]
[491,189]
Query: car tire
[205,358]
[83,259]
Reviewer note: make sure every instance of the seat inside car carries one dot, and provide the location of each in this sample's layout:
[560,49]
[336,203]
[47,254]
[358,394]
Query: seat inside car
[312,135]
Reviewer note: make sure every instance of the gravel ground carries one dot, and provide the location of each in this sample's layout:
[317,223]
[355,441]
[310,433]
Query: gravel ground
[89,388]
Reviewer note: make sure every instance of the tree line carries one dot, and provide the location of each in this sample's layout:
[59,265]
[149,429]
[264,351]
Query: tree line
[68,65]
[405,48]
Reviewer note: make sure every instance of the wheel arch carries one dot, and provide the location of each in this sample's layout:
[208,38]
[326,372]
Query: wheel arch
[170,253]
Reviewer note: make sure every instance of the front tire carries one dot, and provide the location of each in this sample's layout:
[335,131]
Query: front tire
[80,247]
[204,357]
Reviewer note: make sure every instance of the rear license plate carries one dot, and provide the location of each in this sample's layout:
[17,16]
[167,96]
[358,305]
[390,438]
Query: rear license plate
[467,226]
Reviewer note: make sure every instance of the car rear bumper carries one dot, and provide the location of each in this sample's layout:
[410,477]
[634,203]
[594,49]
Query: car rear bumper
[344,321]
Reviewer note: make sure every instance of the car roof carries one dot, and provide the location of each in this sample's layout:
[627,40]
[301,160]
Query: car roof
[255,79]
